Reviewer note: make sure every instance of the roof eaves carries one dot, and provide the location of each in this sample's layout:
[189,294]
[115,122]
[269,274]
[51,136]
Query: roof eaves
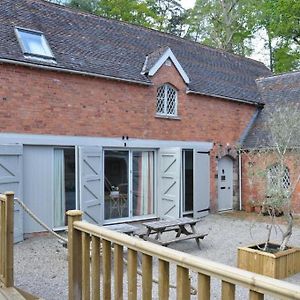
[65,70]
[257,103]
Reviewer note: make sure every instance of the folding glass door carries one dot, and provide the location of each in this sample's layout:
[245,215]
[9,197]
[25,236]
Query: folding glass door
[128,184]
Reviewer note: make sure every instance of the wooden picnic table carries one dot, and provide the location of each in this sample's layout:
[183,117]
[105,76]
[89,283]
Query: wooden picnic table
[184,228]
[123,228]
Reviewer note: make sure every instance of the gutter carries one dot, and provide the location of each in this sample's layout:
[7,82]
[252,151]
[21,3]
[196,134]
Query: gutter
[240,179]
[259,104]
[58,69]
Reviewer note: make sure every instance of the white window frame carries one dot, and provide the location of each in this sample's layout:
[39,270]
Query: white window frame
[44,43]
[165,105]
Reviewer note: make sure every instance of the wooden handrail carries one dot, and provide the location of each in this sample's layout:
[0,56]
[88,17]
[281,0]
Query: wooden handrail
[7,238]
[230,276]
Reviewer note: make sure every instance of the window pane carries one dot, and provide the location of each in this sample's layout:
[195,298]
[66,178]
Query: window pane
[278,178]
[64,184]
[160,97]
[116,184]
[143,180]
[34,43]
[171,101]
[188,180]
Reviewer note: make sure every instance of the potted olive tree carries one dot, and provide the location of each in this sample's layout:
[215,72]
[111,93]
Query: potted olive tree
[274,174]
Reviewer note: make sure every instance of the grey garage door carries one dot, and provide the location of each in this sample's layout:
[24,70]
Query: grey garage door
[11,170]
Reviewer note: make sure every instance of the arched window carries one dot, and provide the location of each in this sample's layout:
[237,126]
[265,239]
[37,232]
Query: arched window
[278,178]
[166,101]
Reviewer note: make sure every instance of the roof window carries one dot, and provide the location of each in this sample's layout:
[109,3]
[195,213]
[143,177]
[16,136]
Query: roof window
[34,43]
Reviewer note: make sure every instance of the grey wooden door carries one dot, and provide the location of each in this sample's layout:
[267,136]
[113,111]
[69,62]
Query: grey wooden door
[169,168]
[201,184]
[225,183]
[11,179]
[91,183]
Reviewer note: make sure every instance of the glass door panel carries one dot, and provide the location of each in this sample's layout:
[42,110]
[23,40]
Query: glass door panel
[64,184]
[188,180]
[142,182]
[116,169]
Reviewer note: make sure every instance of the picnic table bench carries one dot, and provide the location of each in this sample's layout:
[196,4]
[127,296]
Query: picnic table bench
[184,228]
[123,228]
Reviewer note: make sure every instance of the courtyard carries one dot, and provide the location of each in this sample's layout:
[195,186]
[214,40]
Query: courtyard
[41,261]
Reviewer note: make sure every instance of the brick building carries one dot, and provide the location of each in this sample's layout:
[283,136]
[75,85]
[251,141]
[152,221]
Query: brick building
[281,94]
[123,122]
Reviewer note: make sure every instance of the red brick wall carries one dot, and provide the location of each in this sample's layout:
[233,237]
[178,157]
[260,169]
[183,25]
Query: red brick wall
[257,190]
[47,102]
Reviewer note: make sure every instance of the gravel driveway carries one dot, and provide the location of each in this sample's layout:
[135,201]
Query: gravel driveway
[41,262]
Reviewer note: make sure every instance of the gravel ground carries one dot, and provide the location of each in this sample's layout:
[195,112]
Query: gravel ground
[41,262]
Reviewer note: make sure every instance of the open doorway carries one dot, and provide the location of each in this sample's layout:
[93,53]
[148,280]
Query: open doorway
[64,184]
[129,183]
[188,181]
[116,168]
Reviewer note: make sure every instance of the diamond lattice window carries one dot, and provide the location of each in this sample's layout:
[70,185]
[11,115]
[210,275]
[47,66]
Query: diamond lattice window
[166,101]
[278,177]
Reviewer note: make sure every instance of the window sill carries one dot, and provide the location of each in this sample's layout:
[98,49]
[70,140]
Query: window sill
[168,117]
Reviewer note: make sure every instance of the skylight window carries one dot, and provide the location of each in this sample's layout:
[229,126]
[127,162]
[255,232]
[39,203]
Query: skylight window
[34,43]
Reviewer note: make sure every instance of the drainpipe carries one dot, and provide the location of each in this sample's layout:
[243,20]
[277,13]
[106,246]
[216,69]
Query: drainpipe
[240,179]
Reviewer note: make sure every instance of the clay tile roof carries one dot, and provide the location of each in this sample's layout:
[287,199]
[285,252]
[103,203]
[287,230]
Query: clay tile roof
[153,57]
[88,43]
[275,91]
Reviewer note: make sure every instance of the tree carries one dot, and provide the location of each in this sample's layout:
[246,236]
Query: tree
[132,11]
[281,21]
[171,16]
[85,5]
[225,24]
[274,169]
[164,15]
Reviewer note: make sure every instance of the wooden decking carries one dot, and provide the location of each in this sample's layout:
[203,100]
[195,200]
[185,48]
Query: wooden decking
[10,294]
[7,288]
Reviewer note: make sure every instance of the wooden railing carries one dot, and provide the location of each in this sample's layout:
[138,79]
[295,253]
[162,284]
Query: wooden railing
[6,239]
[85,241]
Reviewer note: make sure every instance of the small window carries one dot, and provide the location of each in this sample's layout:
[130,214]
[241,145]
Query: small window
[166,101]
[34,43]
[278,178]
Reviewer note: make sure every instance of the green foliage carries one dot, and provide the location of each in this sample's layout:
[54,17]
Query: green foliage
[171,17]
[281,21]
[225,24]
[164,15]
[132,11]
[84,5]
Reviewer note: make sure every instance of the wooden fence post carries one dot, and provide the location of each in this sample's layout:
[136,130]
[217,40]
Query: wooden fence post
[74,256]
[9,247]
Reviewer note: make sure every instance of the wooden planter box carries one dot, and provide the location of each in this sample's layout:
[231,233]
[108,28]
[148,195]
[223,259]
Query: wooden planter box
[277,265]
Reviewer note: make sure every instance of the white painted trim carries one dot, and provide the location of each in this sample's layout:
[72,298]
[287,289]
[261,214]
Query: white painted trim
[60,140]
[169,54]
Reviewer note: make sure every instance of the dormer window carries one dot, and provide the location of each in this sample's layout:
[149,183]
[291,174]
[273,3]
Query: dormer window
[166,101]
[34,43]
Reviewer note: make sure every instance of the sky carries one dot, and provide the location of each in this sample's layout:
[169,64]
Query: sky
[187,3]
